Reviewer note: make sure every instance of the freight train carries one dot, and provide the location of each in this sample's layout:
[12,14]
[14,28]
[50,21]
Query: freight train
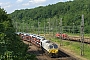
[62,36]
[71,38]
[47,46]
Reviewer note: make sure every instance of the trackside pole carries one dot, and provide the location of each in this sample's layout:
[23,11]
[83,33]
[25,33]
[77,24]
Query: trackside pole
[82,35]
[61,32]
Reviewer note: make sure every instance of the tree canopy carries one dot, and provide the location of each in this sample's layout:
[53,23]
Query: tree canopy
[11,47]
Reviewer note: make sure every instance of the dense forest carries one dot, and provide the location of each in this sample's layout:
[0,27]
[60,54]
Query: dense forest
[11,47]
[70,12]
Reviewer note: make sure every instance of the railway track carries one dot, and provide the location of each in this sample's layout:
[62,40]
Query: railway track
[42,56]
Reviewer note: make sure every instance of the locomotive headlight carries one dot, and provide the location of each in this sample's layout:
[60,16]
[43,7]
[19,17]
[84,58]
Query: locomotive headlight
[56,51]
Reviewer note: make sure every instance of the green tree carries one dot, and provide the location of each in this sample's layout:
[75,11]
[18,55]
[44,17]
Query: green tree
[11,47]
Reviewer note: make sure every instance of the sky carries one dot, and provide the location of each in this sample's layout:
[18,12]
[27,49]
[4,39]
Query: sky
[12,5]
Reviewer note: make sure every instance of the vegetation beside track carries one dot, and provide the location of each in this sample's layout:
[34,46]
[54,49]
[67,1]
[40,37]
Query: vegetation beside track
[11,47]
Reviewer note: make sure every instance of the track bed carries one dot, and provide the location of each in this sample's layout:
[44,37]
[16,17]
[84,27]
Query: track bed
[42,56]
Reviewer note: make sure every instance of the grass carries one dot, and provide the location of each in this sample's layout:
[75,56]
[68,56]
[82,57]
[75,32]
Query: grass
[73,46]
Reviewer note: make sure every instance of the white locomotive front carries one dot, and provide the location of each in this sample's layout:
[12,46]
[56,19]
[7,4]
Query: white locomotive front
[50,48]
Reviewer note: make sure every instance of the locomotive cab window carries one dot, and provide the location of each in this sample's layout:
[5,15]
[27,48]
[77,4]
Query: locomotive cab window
[50,47]
[47,41]
[55,46]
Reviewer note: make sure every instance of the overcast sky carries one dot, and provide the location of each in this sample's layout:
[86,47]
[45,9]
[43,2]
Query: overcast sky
[12,5]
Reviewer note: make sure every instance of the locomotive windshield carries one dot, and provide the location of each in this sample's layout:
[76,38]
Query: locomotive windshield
[55,46]
[50,46]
